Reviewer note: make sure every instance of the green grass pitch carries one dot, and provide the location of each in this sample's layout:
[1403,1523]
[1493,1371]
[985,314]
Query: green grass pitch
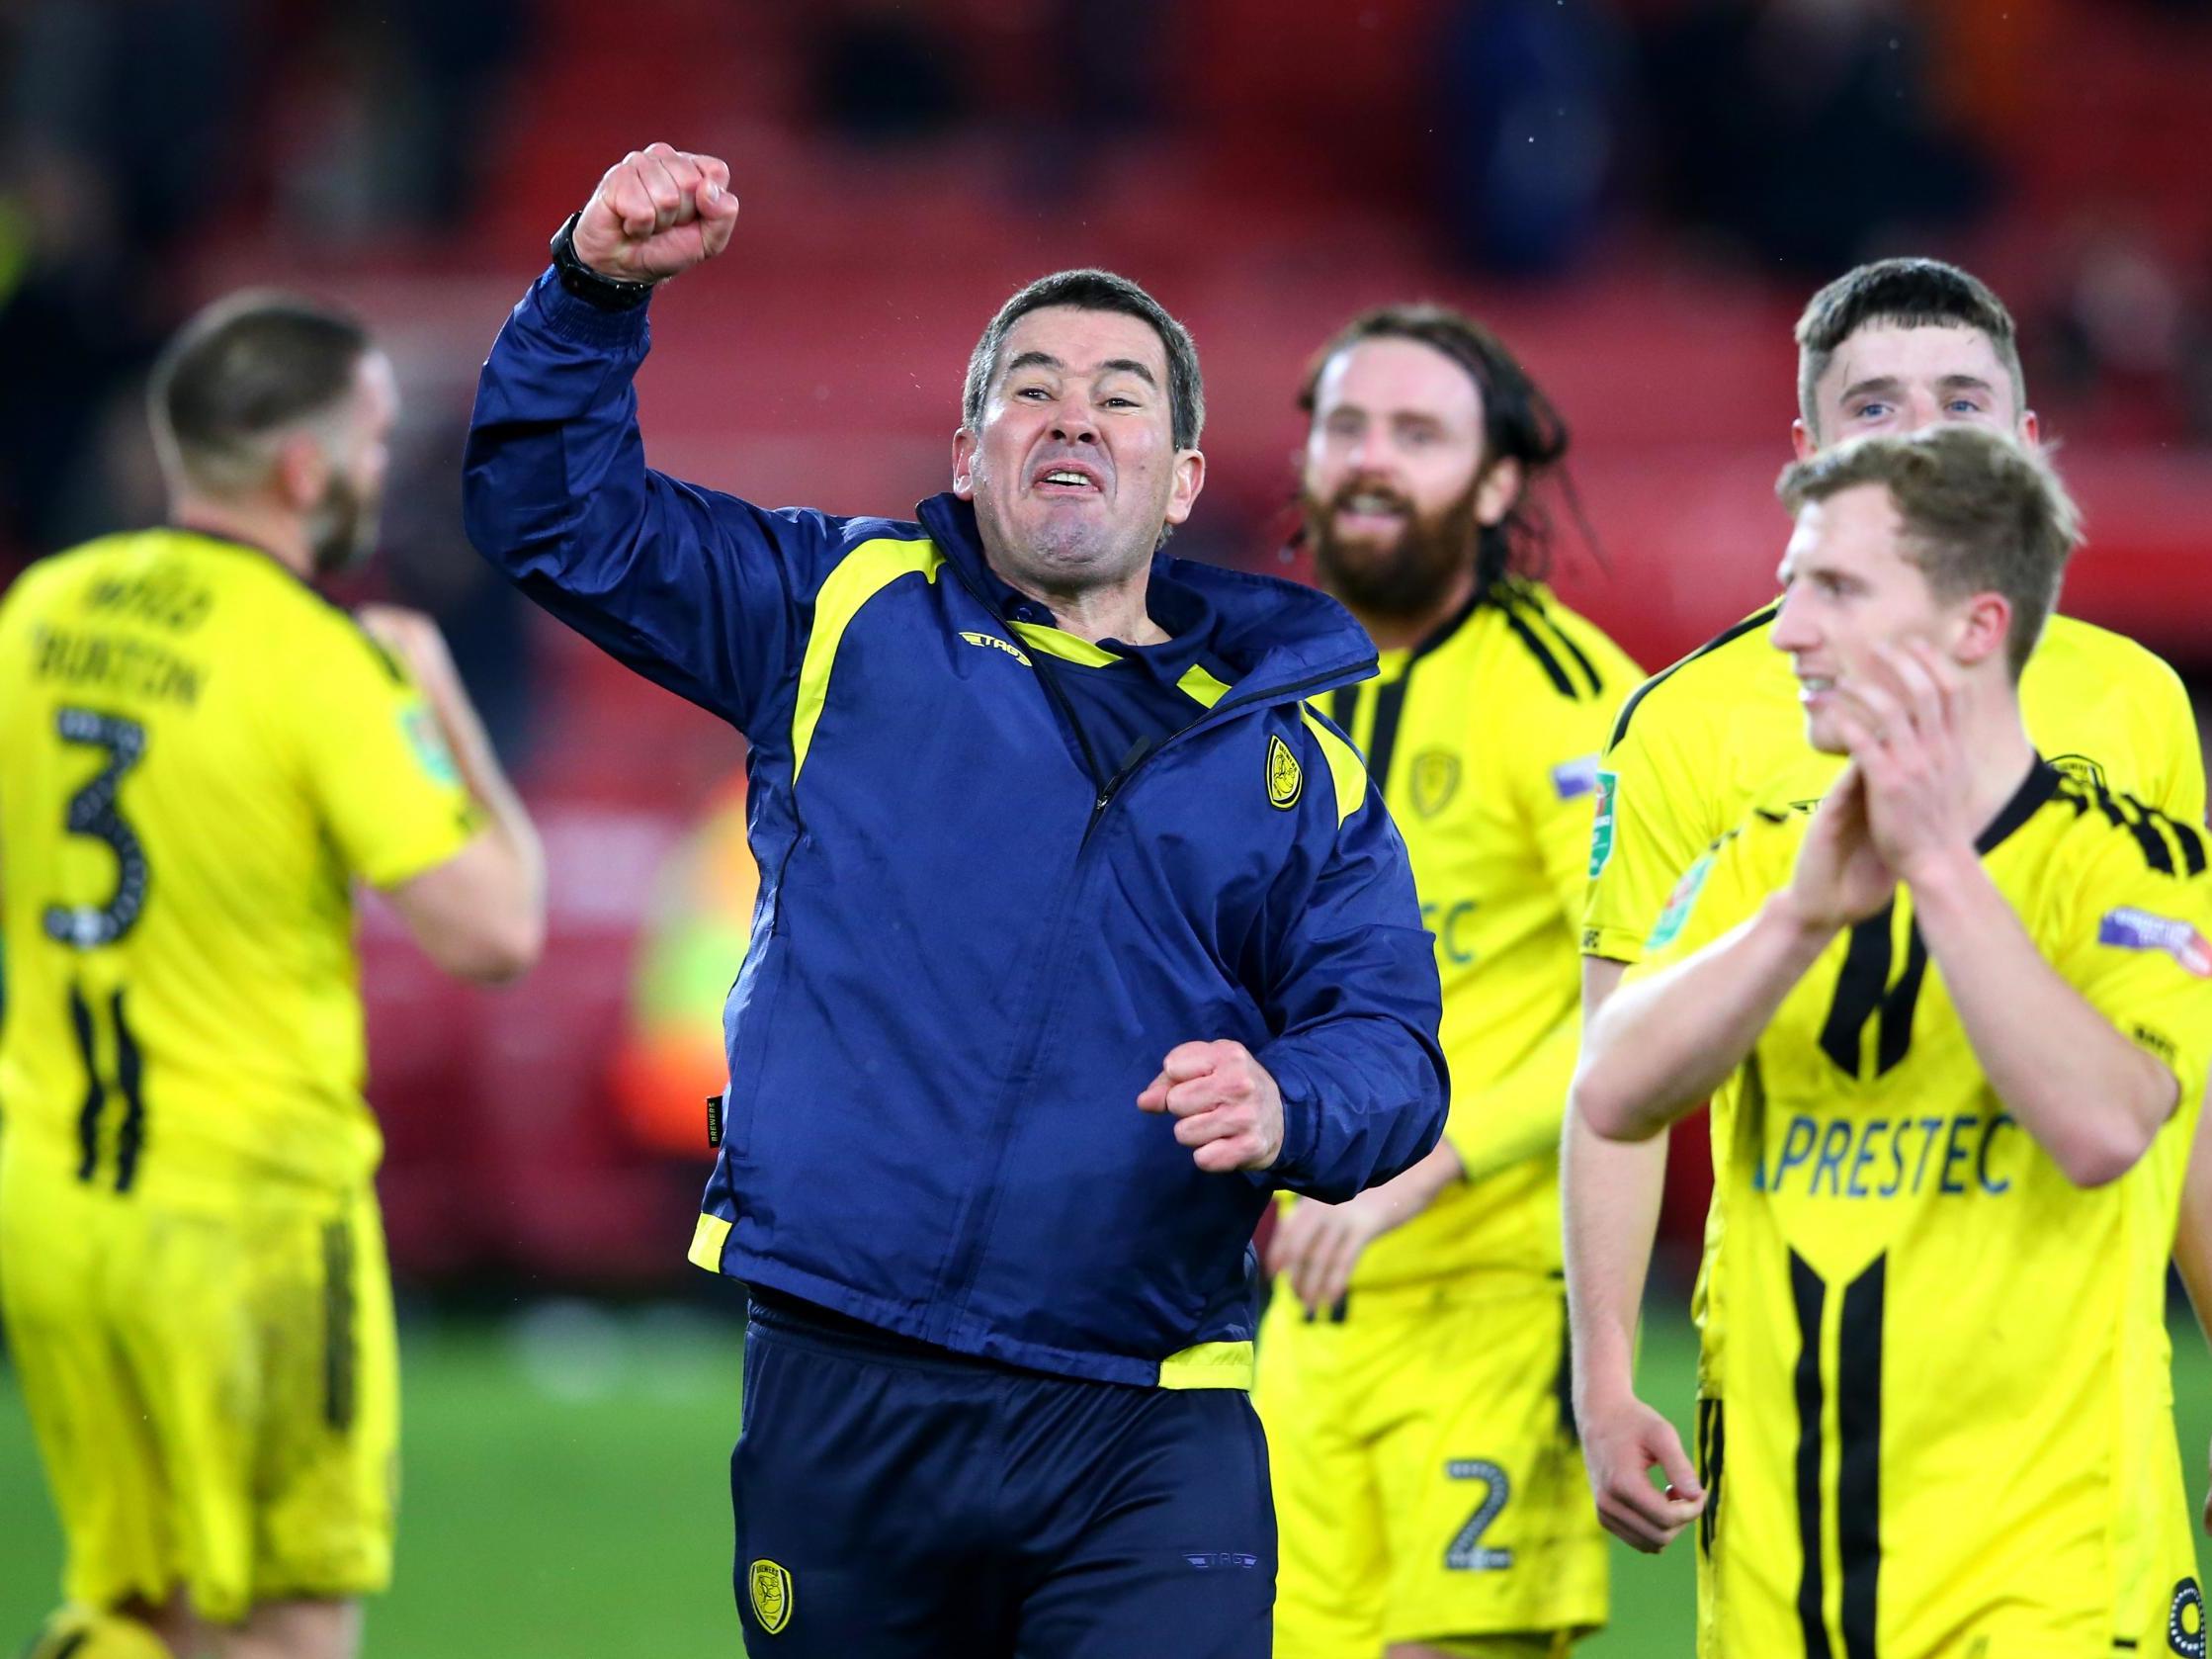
[566,1496]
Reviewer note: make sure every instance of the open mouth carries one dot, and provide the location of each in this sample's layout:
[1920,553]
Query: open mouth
[1370,513]
[1062,479]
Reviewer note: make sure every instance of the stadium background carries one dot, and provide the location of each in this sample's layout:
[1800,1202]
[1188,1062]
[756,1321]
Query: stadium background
[1639,194]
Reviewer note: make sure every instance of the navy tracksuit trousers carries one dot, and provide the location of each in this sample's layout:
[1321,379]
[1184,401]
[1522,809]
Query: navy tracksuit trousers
[896,1501]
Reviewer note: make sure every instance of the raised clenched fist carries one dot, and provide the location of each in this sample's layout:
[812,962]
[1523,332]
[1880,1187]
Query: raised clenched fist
[656,214]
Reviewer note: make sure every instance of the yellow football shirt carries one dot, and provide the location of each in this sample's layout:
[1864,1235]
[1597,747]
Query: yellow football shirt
[1704,742]
[1484,740]
[199,751]
[1946,1376]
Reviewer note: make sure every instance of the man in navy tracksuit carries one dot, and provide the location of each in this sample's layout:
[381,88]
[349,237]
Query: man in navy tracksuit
[1077,935]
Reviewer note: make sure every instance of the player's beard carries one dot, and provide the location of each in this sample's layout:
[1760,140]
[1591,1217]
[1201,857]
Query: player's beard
[1407,579]
[342,527]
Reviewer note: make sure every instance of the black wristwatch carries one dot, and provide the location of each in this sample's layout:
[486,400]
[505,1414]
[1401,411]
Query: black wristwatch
[608,293]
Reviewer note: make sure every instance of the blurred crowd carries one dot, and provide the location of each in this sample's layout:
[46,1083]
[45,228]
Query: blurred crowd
[1785,137]
[1788,136]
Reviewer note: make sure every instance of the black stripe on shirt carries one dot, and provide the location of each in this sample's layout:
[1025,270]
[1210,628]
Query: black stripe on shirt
[2041,783]
[1543,653]
[1898,1003]
[1858,1484]
[96,1091]
[1390,708]
[1809,1294]
[1628,709]
[338,1349]
[1859,989]
[2141,823]
[1541,613]
[2156,852]
[2191,841]
[131,1083]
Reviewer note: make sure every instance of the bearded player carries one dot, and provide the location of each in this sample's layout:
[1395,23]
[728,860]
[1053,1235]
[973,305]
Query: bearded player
[1428,1479]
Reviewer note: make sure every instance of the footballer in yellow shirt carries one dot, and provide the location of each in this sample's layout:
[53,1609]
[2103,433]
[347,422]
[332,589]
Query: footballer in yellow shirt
[1428,1484]
[1959,1016]
[202,754]
[1890,347]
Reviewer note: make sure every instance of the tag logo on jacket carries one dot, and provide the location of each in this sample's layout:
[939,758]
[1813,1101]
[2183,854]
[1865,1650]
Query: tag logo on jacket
[772,1597]
[991,642]
[1285,780]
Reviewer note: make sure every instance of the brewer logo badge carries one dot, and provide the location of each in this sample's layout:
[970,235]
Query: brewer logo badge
[1285,780]
[772,1595]
[2081,768]
[1435,780]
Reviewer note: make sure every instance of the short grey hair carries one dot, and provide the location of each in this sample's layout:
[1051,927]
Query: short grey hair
[1094,291]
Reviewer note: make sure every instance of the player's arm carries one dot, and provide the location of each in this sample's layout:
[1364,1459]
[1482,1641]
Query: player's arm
[481,915]
[2092,1098]
[1351,1089]
[405,788]
[1609,1208]
[1610,1192]
[699,591]
[1661,1046]
[1664,1042]
[1317,1244]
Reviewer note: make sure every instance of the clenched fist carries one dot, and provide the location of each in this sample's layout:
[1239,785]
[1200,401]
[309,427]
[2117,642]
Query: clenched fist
[1227,1108]
[656,214]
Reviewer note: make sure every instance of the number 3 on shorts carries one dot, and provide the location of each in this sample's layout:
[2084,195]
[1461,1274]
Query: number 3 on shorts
[1467,1554]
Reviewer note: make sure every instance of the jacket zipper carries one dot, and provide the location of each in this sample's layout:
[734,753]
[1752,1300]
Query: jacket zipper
[1227,706]
[1111,786]
[954,1280]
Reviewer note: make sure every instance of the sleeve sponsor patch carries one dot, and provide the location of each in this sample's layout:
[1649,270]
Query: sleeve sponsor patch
[1601,826]
[2128,928]
[1576,778]
[429,745]
[1680,903]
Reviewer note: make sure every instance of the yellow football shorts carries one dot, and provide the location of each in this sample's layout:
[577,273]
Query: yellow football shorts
[213,1380]
[1428,1485]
